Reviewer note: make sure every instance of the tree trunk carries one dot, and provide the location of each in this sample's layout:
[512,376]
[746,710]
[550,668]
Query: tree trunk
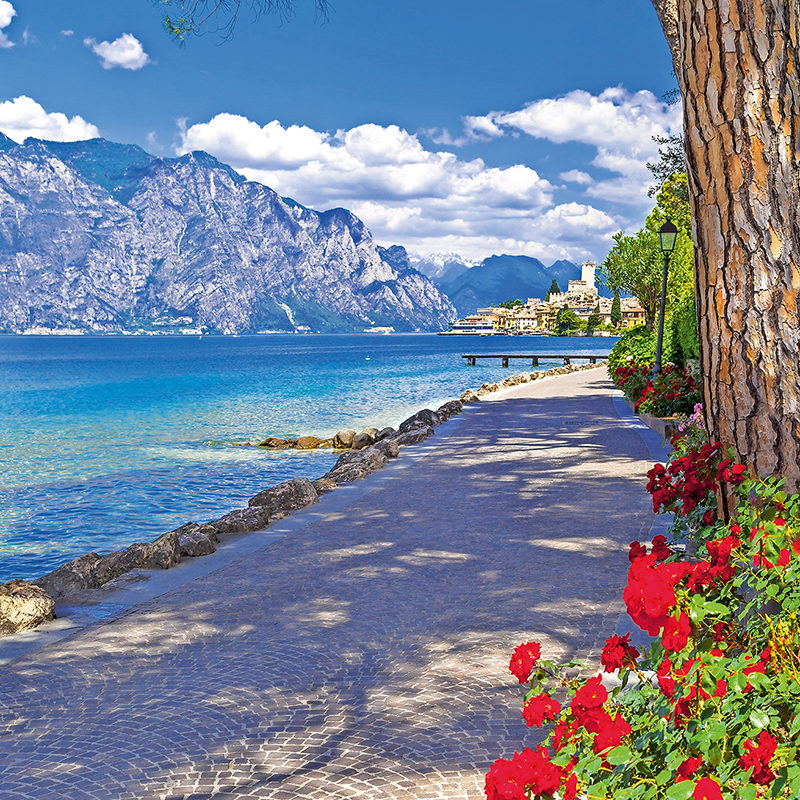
[737,65]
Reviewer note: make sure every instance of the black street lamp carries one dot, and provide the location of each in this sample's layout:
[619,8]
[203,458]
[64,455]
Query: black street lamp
[667,234]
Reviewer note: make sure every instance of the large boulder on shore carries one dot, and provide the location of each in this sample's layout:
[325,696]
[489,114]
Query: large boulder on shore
[384,433]
[357,464]
[275,442]
[469,397]
[343,439]
[424,417]
[414,435]
[285,497]
[446,410]
[24,605]
[162,553]
[197,540]
[308,443]
[242,520]
[364,439]
[74,576]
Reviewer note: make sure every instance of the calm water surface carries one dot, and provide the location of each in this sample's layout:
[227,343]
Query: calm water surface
[109,440]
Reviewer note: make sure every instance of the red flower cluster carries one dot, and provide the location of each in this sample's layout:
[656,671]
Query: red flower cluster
[686,481]
[671,677]
[758,756]
[650,594]
[618,652]
[529,772]
[523,660]
[539,708]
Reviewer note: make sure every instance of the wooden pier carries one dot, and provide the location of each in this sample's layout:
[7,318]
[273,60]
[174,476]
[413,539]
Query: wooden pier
[592,358]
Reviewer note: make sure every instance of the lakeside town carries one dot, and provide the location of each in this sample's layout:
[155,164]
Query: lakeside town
[577,311]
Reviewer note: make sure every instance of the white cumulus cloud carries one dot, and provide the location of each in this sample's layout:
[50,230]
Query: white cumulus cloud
[429,200]
[576,176]
[619,124]
[23,117]
[126,51]
[7,13]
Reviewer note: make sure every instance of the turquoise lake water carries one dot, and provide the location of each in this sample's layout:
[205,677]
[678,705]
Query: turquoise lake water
[109,440]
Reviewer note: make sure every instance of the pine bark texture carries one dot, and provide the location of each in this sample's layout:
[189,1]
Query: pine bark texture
[737,66]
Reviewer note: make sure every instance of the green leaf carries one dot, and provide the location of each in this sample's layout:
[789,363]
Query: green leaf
[619,755]
[759,718]
[681,791]
[717,608]
[738,682]
[663,777]
[748,792]
[714,755]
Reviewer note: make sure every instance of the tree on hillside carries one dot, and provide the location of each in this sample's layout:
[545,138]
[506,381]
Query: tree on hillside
[552,290]
[567,320]
[634,265]
[737,65]
[616,310]
[593,321]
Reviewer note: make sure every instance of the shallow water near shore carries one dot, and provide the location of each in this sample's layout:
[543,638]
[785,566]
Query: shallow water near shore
[109,440]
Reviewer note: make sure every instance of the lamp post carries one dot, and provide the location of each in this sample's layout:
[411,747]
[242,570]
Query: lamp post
[667,234]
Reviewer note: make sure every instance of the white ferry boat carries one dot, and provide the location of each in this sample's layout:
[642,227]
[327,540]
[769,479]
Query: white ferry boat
[470,327]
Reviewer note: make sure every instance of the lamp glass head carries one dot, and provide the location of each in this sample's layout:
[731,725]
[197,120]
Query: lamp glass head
[667,234]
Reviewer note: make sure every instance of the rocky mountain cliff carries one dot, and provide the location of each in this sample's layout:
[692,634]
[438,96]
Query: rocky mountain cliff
[105,237]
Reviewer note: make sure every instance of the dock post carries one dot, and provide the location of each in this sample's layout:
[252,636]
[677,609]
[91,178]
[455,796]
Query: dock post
[471,362]
[592,360]
[566,361]
[535,361]
[505,361]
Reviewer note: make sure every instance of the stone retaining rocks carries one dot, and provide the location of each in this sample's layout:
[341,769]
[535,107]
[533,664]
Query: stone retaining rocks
[285,497]
[383,433]
[24,605]
[469,397]
[343,439]
[197,540]
[425,417]
[242,520]
[71,577]
[362,440]
[308,443]
[414,435]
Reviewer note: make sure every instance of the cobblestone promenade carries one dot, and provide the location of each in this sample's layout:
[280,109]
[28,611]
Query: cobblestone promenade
[364,655]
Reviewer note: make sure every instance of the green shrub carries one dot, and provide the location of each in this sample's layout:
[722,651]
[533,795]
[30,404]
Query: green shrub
[683,329]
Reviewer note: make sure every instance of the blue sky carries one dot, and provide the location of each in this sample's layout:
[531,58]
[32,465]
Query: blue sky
[448,126]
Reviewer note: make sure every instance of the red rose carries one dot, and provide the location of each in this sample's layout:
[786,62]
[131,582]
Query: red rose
[590,696]
[687,769]
[610,735]
[707,789]
[523,659]
[618,652]
[539,708]
[757,757]
[676,633]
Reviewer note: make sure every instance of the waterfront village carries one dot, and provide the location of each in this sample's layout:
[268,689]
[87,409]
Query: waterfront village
[590,313]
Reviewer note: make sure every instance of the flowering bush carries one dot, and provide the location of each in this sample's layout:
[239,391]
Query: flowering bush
[712,710]
[674,390]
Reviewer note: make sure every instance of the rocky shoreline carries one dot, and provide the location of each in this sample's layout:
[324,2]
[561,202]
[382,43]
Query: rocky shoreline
[27,604]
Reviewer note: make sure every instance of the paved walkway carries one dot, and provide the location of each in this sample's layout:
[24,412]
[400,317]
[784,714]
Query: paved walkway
[365,655]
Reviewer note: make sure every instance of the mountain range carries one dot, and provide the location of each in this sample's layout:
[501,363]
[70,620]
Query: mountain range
[496,279]
[108,238]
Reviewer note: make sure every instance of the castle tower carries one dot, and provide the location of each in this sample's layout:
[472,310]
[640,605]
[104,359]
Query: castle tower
[587,273]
